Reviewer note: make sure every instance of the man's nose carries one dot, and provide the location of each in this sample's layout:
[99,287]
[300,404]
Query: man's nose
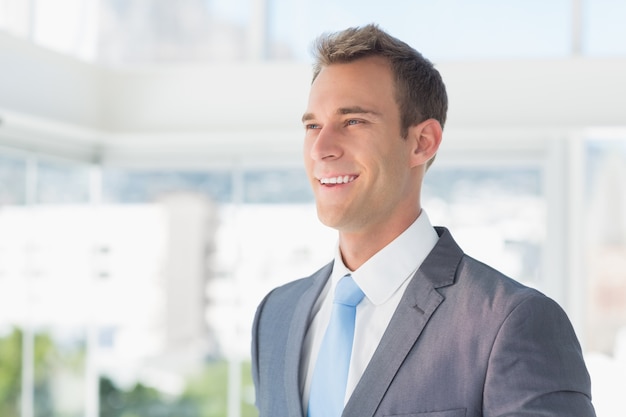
[326,145]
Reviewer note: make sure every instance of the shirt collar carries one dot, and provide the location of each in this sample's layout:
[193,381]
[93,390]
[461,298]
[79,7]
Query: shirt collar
[385,272]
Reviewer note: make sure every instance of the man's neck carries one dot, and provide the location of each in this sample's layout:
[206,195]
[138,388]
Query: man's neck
[357,247]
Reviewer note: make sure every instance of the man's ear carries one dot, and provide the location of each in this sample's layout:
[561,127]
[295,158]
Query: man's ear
[425,139]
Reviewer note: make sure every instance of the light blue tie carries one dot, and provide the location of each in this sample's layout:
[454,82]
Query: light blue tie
[330,376]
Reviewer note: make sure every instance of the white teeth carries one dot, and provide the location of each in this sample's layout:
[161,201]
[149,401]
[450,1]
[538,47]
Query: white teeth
[338,180]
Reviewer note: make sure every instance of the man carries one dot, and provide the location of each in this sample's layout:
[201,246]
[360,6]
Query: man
[436,333]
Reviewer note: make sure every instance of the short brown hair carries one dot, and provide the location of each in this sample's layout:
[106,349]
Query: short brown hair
[420,91]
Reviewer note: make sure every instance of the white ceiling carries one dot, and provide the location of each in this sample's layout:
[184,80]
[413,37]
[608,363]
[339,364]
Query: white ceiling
[56,104]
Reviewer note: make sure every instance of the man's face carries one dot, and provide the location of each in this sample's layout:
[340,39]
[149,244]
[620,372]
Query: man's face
[356,160]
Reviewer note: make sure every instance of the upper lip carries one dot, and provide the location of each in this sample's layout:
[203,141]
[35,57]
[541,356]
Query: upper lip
[336,179]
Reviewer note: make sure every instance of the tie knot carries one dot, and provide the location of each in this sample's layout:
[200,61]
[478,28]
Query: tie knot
[348,292]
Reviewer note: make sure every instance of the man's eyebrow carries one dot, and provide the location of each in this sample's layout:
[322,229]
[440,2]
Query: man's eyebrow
[356,110]
[343,111]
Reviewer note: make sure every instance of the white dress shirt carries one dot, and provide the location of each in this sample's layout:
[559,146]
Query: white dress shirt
[383,278]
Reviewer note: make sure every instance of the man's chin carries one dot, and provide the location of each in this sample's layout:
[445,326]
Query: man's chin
[332,220]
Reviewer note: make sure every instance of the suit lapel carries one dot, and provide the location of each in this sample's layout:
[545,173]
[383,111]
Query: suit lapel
[297,330]
[416,307]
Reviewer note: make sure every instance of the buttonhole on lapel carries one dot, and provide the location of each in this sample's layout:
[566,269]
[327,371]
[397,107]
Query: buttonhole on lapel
[419,310]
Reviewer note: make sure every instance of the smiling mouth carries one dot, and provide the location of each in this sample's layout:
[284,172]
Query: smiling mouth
[344,179]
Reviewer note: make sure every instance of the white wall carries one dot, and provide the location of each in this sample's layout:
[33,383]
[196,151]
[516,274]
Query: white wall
[42,83]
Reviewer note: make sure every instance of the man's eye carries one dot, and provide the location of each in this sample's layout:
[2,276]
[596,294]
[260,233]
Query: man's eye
[353,122]
[311,126]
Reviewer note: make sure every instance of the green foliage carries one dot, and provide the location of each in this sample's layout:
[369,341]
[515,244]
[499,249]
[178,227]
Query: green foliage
[47,360]
[210,389]
[140,401]
[248,409]
[10,373]
[206,395]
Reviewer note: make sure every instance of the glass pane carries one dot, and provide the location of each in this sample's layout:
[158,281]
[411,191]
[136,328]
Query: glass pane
[135,186]
[604,30]
[58,377]
[114,32]
[67,26]
[10,370]
[59,372]
[163,350]
[205,394]
[62,183]
[497,215]
[139,32]
[12,180]
[441,30]
[277,186]
[15,17]
[605,274]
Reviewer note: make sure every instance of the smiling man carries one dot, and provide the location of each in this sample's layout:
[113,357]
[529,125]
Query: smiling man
[401,322]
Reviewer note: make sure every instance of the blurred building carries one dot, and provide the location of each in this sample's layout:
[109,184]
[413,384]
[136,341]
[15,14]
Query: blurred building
[115,268]
[606,253]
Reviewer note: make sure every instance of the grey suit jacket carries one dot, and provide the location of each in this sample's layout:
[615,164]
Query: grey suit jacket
[464,341]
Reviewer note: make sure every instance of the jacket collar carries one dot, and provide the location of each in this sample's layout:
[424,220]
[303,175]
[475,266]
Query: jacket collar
[297,331]
[418,304]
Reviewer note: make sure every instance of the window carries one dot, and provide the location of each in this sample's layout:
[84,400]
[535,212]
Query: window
[604,263]
[12,180]
[498,214]
[122,33]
